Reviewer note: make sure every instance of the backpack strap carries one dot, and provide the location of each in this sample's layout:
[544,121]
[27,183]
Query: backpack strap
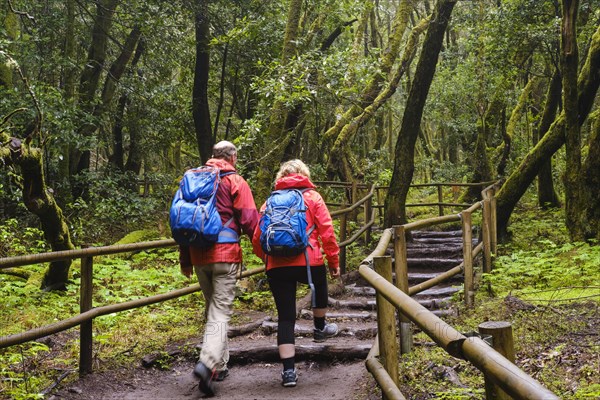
[227,235]
[313,293]
[313,296]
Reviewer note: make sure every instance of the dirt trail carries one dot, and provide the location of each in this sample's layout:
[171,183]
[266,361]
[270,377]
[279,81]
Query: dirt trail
[252,381]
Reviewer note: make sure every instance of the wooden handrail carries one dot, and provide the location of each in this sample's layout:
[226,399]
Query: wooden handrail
[504,373]
[17,261]
[65,324]
[360,231]
[355,205]
[387,384]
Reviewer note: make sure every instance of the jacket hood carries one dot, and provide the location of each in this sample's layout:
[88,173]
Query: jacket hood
[221,164]
[294,181]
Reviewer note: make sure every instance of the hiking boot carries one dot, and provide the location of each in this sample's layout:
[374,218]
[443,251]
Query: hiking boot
[320,335]
[207,378]
[289,378]
[221,375]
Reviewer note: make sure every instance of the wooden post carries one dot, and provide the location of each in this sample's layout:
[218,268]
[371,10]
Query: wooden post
[468,257]
[486,233]
[401,269]
[379,205]
[493,226]
[85,304]
[343,233]
[440,199]
[368,212]
[354,195]
[386,323]
[502,342]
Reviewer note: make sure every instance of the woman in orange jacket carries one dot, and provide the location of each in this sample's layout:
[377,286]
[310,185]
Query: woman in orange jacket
[284,272]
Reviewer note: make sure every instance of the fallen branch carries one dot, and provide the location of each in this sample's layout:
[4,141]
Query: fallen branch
[57,382]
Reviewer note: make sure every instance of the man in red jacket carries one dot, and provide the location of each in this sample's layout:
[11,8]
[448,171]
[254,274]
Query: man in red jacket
[217,266]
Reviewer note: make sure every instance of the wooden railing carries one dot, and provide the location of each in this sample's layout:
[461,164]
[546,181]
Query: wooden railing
[501,375]
[343,215]
[375,193]
[87,312]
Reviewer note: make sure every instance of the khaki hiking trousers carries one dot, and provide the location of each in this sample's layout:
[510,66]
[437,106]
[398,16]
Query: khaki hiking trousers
[217,282]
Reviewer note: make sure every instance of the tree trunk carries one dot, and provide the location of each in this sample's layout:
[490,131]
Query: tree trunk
[200,107]
[221,91]
[79,160]
[515,116]
[517,183]
[11,29]
[340,134]
[117,69]
[277,136]
[590,189]
[568,62]
[117,159]
[481,167]
[547,196]
[340,156]
[39,201]
[395,212]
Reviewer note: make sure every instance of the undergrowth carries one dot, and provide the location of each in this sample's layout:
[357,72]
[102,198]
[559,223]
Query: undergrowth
[548,289]
[120,339]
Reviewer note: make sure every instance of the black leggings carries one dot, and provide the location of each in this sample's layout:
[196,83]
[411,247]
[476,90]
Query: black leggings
[282,281]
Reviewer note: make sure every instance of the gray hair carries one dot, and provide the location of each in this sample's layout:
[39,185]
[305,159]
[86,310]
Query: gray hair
[293,167]
[224,150]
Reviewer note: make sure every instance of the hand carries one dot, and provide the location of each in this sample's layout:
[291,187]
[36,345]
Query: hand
[187,271]
[334,272]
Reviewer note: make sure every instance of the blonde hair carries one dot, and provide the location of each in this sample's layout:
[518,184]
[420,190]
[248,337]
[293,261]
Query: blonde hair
[293,167]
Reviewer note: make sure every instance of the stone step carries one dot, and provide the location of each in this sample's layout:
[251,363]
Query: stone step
[438,264]
[436,292]
[436,234]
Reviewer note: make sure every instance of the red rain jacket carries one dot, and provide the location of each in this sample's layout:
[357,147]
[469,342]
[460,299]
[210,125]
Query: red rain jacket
[318,215]
[234,198]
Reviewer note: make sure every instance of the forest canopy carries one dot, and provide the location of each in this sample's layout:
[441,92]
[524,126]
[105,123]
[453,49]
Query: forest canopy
[104,104]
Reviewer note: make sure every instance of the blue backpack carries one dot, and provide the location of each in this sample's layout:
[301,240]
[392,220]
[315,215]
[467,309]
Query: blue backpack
[283,228]
[283,224]
[194,218]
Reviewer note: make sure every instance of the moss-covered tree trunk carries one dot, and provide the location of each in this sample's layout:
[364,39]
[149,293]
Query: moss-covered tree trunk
[345,128]
[395,212]
[278,134]
[547,196]
[590,188]
[568,61]
[40,201]
[518,182]
[10,23]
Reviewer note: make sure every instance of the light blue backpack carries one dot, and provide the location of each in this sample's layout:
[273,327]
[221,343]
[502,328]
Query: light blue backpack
[194,218]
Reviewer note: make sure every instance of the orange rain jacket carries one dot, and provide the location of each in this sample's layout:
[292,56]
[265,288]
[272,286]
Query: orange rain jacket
[318,215]
[234,198]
